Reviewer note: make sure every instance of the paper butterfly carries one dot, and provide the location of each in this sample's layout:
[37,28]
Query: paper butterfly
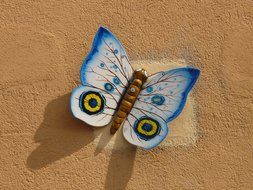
[112,92]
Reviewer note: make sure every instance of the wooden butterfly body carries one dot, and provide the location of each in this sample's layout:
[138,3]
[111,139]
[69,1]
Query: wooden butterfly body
[112,92]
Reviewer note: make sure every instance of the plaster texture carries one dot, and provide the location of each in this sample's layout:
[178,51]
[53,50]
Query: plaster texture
[42,46]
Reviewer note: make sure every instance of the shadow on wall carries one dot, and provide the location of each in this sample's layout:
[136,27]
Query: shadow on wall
[120,167]
[60,135]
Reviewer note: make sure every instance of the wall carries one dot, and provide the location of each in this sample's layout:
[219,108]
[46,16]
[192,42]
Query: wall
[42,45]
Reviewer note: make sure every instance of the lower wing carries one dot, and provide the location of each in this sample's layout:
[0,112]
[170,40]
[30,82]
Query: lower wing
[142,129]
[94,106]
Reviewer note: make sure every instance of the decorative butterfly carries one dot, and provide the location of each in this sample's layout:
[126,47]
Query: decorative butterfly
[112,92]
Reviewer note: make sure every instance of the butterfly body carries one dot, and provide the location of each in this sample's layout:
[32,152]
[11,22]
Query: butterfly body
[112,92]
[129,98]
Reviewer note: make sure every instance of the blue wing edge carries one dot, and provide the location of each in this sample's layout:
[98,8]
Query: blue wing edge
[101,33]
[194,73]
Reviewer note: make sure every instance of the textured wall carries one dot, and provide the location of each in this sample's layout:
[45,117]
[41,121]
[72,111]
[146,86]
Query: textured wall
[42,45]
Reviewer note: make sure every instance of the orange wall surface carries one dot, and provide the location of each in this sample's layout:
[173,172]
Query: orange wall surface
[42,46]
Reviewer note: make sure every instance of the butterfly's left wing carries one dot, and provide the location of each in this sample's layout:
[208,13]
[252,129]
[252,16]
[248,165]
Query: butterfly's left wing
[105,74]
[161,100]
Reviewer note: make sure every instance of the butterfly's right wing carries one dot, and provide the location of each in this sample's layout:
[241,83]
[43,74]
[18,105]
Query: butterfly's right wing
[105,74]
[161,100]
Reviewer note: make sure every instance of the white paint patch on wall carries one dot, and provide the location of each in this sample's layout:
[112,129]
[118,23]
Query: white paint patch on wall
[183,131]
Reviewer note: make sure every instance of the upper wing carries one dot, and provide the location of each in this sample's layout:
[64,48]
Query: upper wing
[165,93]
[105,74]
[162,98]
[107,60]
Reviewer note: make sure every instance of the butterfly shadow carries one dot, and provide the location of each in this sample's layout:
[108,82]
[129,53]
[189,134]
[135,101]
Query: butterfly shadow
[59,135]
[120,165]
[119,170]
[122,157]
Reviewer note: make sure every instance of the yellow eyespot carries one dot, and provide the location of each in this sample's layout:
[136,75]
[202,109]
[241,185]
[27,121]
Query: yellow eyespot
[147,128]
[91,102]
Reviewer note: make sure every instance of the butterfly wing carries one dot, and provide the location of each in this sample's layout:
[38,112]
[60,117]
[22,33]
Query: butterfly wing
[161,100]
[105,74]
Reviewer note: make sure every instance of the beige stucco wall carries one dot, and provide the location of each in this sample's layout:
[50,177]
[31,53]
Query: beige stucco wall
[42,45]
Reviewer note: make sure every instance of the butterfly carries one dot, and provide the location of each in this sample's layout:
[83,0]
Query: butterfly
[113,92]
